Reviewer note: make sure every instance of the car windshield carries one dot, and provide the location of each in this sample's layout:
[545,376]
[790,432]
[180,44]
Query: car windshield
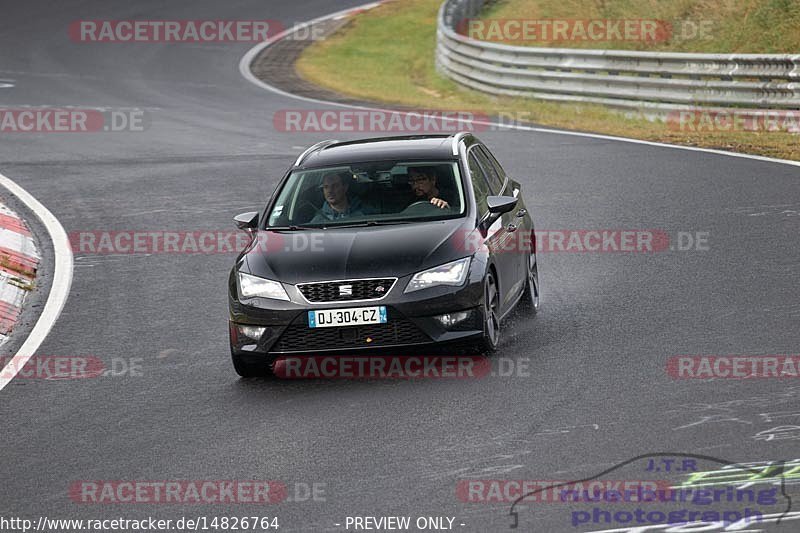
[382,192]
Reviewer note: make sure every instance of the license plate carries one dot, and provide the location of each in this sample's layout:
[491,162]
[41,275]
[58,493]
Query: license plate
[331,318]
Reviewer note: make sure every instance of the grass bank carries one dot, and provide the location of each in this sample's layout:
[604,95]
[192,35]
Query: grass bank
[386,55]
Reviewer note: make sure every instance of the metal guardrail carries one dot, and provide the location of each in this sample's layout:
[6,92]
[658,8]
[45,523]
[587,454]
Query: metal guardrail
[652,81]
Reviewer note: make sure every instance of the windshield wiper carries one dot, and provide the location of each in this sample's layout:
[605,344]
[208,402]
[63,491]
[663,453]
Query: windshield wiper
[367,223]
[288,228]
[364,223]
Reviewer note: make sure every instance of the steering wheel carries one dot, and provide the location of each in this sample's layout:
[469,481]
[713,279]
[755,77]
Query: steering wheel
[304,208]
[424,207]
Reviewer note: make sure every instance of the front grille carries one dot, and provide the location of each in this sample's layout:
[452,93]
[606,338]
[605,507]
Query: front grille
[397,330]
[347,290]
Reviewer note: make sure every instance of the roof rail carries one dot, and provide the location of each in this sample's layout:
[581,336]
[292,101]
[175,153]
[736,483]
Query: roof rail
[397,138]
[318,146]
[457,139]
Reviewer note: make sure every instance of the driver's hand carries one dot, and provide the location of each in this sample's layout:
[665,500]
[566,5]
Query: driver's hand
[438,202]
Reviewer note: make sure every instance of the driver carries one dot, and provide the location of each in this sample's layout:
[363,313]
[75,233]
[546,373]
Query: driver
[423,184]
[337,204]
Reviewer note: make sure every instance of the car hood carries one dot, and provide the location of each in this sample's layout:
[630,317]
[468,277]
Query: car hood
[361,252]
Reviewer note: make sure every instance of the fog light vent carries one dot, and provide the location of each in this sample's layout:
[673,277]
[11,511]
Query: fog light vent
[449,320]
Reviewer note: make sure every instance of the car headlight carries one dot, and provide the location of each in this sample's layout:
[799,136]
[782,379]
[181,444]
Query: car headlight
[453,273]
[250,286]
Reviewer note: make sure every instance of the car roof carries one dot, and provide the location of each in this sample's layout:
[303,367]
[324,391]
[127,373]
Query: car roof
[420,147]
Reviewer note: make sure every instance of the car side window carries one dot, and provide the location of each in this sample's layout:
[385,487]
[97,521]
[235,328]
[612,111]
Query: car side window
[479,183]
[494,177]
[496,164]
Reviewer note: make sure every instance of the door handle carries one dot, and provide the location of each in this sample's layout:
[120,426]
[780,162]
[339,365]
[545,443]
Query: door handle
[511,228]
[521,213]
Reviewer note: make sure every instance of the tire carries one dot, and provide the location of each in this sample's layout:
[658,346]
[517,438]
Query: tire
[531,298]
[247,368]
[491,319]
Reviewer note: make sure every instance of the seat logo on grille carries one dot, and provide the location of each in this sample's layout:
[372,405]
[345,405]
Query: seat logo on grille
[345,290]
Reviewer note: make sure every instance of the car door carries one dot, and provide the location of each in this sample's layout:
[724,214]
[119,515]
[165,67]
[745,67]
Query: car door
[497,233]
[517,218]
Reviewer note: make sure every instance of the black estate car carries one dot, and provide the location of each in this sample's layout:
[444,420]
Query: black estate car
[376,245]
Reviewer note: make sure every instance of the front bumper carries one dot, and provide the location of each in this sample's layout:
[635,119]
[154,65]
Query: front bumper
[411,325]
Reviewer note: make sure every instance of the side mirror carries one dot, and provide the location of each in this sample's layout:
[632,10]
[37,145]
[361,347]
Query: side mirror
[498,205]
[501,204]
[246,221]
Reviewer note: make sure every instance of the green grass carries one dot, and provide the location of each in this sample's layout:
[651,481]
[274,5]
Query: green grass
[386,55]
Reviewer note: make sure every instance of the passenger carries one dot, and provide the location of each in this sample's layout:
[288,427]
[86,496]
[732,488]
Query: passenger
[337,204]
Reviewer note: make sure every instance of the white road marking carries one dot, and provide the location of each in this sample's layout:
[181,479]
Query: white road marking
[247,59]
[59,290]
